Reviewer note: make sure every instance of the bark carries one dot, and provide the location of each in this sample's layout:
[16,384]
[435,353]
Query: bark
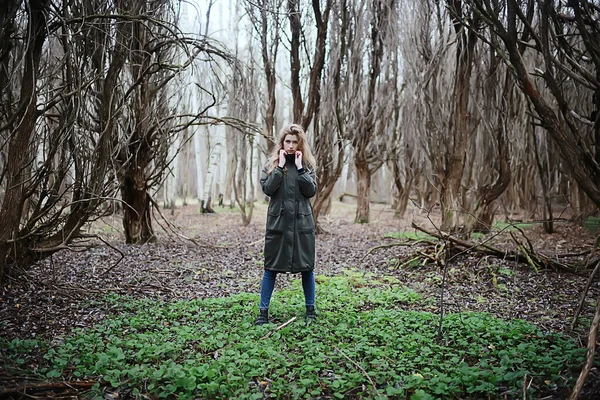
[269,60]
[198,161]
[403,189]
[330,150]
[547,217]
[487,194]
[137,211]
[18,150]
[8,12]
[363,190]
[266,20]
[213,164]
[451,206]
[304,110]
[316,70]
[170,185]
[137,216]
[295,65]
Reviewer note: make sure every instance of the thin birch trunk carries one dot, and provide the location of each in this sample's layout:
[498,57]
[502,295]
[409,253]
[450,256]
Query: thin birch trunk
[198,164]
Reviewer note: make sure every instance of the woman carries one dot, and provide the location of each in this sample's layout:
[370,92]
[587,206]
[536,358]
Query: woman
[289,180]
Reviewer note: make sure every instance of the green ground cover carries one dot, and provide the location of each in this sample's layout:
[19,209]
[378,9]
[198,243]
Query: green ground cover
[364,345]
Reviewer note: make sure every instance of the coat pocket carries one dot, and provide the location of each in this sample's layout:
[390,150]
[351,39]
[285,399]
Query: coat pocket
[276,217]
[305,221]
[275,251]
[306,251]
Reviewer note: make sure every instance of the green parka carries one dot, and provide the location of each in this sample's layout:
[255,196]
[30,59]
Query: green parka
[290,235]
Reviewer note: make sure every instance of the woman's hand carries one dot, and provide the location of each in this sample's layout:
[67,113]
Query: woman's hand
[298,159]
[282,158]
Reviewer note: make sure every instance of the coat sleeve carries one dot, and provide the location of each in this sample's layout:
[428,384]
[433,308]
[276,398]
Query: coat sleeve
[271,182]
[307,181]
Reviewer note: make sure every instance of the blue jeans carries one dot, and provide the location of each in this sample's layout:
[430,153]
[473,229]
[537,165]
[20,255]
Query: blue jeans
[268,284]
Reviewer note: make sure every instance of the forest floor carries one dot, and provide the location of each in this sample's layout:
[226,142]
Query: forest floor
[219,257]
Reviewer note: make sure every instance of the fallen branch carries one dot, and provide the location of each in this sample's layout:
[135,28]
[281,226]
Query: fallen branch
[278,328]
[584,294]
[257,242]
[46,386]
[174,229]
[117,262]
[589,358]
[341,198]
[357,365]
[524,256]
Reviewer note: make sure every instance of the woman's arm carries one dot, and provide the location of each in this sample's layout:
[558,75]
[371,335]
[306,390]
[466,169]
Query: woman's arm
[307,181]
[271,182]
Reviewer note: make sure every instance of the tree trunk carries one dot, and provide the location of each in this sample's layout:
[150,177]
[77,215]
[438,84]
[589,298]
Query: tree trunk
[170,184]
[18,150]
[403,190]
[137,212]
[295,65]
[215,158]
[487,194]
[547,216]
[451,185]
[269,59]
[198,165]
[363,190]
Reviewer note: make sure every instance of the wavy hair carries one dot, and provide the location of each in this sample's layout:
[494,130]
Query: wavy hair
[308,159]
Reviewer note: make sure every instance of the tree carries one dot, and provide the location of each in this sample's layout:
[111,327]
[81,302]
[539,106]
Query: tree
[429,71]
[459,133]
[266,20]
[18,123]
[369,104]
[330,124]
[327,119]
[154,42]
[74,123]
[566,38]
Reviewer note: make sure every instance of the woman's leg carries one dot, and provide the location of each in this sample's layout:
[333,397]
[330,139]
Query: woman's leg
[266,289]
[309,287]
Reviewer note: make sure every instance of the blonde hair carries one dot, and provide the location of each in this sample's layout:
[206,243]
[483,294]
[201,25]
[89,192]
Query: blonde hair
[308,160]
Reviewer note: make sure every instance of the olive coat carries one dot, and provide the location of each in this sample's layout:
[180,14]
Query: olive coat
[290,233]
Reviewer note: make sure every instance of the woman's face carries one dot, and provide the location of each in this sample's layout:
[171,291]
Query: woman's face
[290,144]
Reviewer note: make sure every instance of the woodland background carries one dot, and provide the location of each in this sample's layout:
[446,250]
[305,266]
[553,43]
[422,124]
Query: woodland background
[477,107]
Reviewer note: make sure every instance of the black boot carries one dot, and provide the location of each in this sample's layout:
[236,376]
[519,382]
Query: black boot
[311,315]
[263,317]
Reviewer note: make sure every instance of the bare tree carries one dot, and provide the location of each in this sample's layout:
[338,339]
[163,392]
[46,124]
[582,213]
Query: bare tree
[565,37]
[429,71]
[491,144]
[266,19]
[330,121]
[66,121]
[150,130]
[369,103]
[460,129]
[18,120]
